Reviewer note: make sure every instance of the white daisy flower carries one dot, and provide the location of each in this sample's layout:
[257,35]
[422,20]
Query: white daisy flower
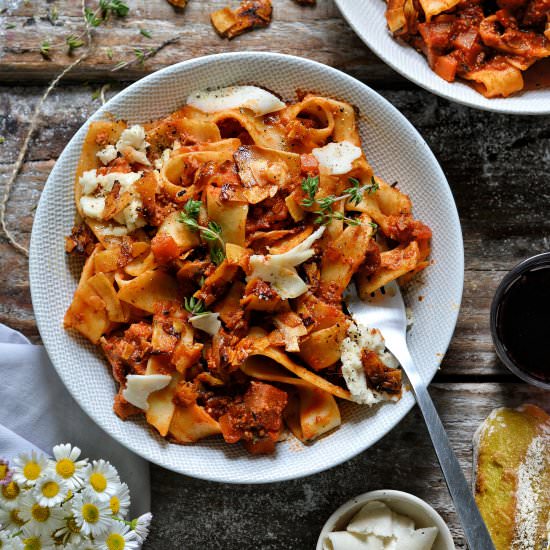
[10,520]
[120,501]
[5,472]
[141,526]
[9,494]
[83,544]
[119,537]
[102,479]
[28,468]
[40,519]
[67,464]
[9,543]
[34,538]
[92,514]
[51,489]
[70,532]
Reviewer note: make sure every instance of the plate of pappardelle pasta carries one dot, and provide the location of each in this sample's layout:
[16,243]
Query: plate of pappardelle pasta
[489,54]
[190,252]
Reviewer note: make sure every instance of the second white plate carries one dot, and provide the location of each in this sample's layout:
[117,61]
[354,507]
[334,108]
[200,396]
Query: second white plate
[367,18]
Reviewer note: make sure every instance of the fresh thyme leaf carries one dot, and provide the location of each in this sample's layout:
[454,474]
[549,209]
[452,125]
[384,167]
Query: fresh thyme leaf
[96,94]
[212,232]
[202,280]
[11,26]
[146,33]
[217,254]
[91,18]
[140,56]
[310,185]
[109,53]
[117,7]
[194,306]
[45,48]
[53,14]
[74,42]
[192,208]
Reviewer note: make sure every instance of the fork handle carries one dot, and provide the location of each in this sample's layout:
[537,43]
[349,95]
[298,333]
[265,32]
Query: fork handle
[474,527]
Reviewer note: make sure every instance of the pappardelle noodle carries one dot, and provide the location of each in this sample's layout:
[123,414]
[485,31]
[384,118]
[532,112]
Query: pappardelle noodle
[219,241]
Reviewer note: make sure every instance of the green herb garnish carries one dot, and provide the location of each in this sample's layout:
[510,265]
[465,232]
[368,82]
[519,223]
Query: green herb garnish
[194,306]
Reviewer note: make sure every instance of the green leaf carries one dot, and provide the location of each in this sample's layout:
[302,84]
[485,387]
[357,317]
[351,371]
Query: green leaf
[11,26]
[118,7]
[91,18]
[192,208]
[217,254]
[140,56]
[193,305]
[2,139]
[74,42]
[146,33]
[45,48]
[109,53]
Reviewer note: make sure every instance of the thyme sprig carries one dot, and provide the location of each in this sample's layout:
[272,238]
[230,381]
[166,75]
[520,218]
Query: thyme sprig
[105,10]
[211,232]
[194,306]
[326,214]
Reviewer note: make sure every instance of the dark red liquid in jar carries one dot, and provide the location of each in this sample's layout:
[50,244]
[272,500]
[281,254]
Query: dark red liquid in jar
[523,322]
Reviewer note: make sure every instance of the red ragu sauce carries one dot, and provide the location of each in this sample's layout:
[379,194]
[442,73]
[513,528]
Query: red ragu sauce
[537,77]
[523,322]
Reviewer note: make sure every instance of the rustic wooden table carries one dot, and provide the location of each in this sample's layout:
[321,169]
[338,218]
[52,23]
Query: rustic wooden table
[496,166]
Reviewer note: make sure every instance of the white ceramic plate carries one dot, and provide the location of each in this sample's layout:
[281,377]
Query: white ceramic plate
[367,18]
[397,153]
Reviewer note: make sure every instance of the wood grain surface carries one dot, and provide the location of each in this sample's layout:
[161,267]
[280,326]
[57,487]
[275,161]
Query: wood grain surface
[497,167]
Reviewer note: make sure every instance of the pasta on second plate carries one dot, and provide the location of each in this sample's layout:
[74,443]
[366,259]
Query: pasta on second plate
[488,43]
[219,241]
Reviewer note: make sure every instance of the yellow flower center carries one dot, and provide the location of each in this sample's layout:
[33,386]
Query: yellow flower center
[115,542]
[98,482]
[32,470]
[10,491]
[114,503]
[65,468]
[50,489]
[32,544]
[3,471]
[90,513]
[16,518]
[72,526]
[40,513]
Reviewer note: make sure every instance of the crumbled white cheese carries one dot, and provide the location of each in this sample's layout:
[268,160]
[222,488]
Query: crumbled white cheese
[378,527]
[208,322]
[107,154]
[140,386]
[358,338]
[337,157]
[101,184]
[375,518]
[92,207]
[256,99]
[279,269]
[164,158]
[342,540]
[133,145]
[115,231]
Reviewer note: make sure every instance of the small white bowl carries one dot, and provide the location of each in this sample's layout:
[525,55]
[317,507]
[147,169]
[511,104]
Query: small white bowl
[406,504]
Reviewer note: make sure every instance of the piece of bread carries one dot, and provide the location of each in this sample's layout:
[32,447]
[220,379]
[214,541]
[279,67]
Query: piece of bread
[512,477]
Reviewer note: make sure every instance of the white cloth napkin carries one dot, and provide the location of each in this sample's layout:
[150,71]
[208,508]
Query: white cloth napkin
[37,412]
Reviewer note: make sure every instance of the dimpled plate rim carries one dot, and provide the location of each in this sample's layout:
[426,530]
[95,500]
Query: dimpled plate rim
[367,19]
[395,150]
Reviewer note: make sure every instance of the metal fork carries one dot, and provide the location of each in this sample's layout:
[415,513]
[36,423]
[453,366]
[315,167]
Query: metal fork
[386,312]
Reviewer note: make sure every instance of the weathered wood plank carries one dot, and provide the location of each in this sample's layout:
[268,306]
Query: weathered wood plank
[501,192]
[320,33]
[198,514]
